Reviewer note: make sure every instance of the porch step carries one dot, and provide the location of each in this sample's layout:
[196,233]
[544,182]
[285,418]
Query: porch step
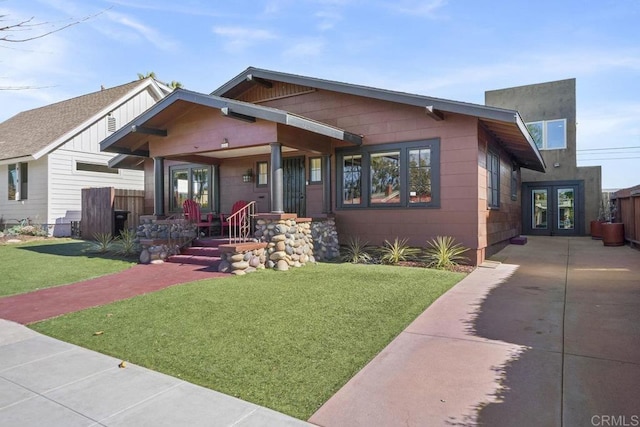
[210,251]
[204,251]
[210,261]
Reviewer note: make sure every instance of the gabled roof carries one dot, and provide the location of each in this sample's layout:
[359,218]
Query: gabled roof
[32,134]
[120,141]
[506,125]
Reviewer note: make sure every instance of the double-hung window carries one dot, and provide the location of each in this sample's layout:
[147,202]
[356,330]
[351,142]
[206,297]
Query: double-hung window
[549,134]
[18,181]
[390,175]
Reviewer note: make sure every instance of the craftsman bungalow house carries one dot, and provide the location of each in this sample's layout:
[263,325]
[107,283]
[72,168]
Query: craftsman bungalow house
[49,154]
[385,164]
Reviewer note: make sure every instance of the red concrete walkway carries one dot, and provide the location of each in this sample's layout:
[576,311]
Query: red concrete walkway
[137,280]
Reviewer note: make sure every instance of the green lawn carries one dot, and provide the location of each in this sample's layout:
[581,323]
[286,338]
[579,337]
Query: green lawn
[285,340]
[25,267]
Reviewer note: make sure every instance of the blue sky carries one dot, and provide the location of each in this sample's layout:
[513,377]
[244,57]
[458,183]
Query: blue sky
[454,49]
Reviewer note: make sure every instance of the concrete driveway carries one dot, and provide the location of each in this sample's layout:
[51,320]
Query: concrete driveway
[549,336]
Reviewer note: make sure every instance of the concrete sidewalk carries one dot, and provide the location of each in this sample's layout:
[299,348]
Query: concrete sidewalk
[549,337]
[46,382]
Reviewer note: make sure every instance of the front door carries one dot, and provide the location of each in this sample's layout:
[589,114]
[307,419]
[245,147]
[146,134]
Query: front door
[553,208]
[294,185]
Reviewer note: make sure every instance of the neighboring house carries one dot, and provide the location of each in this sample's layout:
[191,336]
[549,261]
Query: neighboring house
[386,164]
[565,199]
[48,154]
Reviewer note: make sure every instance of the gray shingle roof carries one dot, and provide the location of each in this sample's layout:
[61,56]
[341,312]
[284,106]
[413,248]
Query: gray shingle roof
[30,131]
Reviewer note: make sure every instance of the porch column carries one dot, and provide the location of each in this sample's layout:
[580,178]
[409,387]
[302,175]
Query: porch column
[326,183]
[158,192]
[276,179]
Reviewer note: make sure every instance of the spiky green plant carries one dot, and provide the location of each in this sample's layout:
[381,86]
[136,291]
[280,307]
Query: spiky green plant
[444,254]
[102,242]
[396,252]
[355,251]
[128,244]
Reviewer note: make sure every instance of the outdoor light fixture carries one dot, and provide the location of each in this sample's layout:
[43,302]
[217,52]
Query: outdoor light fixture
[225,143]
[248,176]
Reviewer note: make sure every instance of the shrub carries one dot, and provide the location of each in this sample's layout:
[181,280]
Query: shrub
[444,254]
[356,251]
[399,250]
[103,241]
[128,244]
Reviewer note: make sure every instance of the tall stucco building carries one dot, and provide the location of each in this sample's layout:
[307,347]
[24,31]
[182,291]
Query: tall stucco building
[566,198]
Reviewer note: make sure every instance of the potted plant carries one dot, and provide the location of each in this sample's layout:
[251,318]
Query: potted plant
[596,225]
[612,233]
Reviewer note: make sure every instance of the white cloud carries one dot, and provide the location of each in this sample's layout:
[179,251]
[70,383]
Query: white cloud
[429,9]
[328,19]
[306,48]
[129,24]
[242,37]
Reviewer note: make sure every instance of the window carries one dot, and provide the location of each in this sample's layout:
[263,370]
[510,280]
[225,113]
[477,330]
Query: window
[493,180]
[385,178]
[390,175]
[315,170]
[351,179]
[94,167]
[18,181]
[190,182]
[549,134]
[514,183]
[420,175]
[263,174]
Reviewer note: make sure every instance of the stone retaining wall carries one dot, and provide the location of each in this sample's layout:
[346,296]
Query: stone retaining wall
[325,239]
[159,238]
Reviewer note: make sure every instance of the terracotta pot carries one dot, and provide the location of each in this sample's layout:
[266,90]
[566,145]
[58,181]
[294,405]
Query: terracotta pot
[596,230]
[613,234]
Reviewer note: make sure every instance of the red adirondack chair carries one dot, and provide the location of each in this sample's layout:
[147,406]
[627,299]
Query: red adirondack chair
[224,218]
[191,211]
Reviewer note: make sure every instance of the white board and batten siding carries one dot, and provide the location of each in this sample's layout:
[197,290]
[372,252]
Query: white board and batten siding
[66,181]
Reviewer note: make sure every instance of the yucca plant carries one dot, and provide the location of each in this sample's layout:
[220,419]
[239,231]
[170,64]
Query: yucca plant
[128,245]
[444,254]
[356,251]
[103,242]
[396,252]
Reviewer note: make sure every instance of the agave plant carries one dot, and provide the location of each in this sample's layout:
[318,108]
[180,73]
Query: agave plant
[103,241]
[356,251]
[444,254]
[396,252]
[128,245]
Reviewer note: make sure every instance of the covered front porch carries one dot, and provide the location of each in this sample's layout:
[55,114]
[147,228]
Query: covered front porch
[218,151]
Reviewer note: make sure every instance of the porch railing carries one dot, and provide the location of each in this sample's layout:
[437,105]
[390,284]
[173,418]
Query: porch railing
[241,223]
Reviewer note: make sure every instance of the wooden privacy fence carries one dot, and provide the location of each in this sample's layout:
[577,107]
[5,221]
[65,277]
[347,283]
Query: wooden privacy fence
[627,203]
[99,205]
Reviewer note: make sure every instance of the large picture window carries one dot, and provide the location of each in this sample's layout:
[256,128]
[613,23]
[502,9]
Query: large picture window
[549,134]
[390,175]
[191,182]
[18,181]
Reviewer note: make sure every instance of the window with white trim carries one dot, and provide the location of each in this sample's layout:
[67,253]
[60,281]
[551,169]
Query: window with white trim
[18,181]
[549,134]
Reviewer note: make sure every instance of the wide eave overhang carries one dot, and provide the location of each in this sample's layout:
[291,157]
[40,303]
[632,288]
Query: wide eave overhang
[505,125]
[131,139]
